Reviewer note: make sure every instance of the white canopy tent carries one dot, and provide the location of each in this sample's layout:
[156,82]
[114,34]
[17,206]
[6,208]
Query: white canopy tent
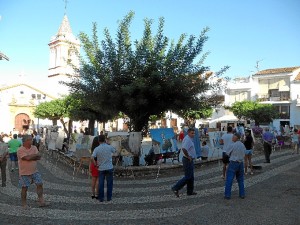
[223,119]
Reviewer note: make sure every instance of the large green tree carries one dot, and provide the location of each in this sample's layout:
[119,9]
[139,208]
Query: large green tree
[190,116]
[253,110]
[68,109]
[53,110]
[147,76]
[80,109]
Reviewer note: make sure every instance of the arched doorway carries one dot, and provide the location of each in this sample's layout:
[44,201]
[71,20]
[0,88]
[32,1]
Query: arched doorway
[22,122]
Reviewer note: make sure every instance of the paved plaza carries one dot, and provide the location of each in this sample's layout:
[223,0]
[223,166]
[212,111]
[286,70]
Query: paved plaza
[272,197]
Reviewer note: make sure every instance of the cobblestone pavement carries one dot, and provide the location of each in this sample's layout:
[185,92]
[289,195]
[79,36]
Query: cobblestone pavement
[272,197]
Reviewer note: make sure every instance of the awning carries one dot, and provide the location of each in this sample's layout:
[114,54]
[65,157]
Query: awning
[284,88]
[283,85]
[225,119]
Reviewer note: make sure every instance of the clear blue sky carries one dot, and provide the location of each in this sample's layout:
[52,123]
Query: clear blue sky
[241,31]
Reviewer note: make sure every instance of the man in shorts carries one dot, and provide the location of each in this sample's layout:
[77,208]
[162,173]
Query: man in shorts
[28,155]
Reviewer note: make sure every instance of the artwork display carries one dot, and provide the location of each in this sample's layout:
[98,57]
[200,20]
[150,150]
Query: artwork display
[60,140]
[120,141]
[81,142]
[163,140]
[51,141]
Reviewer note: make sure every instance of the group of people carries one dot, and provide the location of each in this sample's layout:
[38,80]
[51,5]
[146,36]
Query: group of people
[235,152]
[101,168]
[23,156]
[270,140]
[8,149]
[236,159]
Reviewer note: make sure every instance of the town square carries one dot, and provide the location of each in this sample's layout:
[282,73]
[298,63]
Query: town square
[137,112]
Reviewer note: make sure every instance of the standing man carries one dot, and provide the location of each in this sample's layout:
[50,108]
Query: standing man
[236,152]
[226,141]
[267,138]
[3,160]
[189,154]
[102,157]
[36,139]
[28,155]
[13,146]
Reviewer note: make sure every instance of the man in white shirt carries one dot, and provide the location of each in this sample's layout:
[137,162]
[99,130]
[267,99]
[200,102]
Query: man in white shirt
[226,141]
[189,155]
[236,153]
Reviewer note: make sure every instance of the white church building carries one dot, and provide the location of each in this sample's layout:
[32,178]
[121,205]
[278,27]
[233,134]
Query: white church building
[18,100]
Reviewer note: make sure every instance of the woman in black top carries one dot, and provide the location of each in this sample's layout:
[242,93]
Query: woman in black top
[248,153]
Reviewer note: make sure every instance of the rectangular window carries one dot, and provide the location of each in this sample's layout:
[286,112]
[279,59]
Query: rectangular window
[284,111]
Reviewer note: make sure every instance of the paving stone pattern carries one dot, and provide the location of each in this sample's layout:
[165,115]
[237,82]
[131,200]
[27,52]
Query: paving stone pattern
[272,197]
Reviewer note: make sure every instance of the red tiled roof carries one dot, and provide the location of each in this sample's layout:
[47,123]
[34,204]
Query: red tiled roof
[277,70]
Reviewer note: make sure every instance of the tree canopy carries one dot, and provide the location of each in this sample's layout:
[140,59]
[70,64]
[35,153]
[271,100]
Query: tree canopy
[53,110]
[249,110]
[145,77]
[74,107]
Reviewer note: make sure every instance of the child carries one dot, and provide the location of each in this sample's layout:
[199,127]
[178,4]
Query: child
[204,151]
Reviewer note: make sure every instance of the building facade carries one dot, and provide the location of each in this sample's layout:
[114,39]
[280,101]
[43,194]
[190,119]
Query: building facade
[18,100]
[17,103]
[279,87]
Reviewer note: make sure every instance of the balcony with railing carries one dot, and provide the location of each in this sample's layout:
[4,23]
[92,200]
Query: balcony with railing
[274,97]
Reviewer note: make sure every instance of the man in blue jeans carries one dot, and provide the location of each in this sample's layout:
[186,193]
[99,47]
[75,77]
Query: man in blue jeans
[267,138]
[102,157]
[236,153]
[189,155]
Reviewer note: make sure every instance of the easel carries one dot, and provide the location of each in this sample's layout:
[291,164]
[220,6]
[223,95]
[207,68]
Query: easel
[126,166]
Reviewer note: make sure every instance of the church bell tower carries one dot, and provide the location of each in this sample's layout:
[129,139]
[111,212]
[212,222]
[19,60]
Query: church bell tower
[64,53]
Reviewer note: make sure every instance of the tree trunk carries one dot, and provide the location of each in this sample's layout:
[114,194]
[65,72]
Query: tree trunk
[70,125]
[91,127]
[103,125]
[64,126]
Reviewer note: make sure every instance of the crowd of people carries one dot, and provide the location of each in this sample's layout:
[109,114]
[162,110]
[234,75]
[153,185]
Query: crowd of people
[237,146]
[23,153]
[237,153]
